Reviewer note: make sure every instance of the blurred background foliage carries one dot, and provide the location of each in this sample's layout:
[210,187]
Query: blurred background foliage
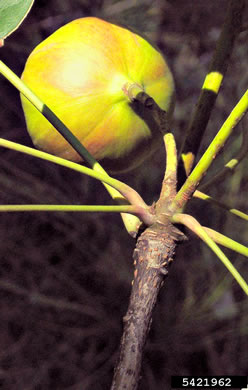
[65,278]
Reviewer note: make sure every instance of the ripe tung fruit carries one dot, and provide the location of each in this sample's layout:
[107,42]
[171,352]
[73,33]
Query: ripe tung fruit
[82,72]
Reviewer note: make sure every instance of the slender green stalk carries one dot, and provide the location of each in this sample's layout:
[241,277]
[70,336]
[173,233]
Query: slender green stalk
[230,166]
[138,211]
[208,198]
[195,226]
[171,155]
[168,190]
[48,114]
[69,208]
[208,157]
[127,192]
[131,222]
[211,86]
[226,241]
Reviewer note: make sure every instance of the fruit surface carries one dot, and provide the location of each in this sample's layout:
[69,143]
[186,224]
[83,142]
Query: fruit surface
[81,72]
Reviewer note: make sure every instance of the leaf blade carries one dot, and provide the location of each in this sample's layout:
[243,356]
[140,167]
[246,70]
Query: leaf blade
[12,14]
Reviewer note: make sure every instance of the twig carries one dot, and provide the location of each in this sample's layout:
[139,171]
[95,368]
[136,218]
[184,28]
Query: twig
[140,212]
[208,198]
[168,191]
[195,177]
[127,192]
[131,222]
[226,241]
[202,233]
[230,166]
[211,86]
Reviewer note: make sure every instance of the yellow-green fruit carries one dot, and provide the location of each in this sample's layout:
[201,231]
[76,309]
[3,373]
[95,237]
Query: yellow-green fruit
[81,72]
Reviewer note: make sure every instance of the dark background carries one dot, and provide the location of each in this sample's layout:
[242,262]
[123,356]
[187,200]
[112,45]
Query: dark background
[65,278]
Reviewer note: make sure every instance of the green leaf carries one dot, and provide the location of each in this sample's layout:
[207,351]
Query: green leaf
[12,13]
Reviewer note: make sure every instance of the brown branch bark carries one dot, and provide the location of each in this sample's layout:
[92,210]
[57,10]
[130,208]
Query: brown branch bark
[152,256]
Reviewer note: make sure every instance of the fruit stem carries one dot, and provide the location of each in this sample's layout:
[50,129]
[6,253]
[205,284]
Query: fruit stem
[131,90]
